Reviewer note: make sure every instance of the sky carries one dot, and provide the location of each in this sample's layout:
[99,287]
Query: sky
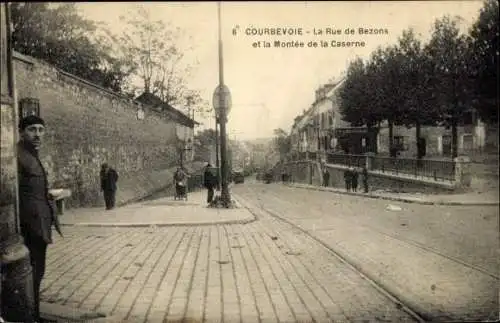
[270,86]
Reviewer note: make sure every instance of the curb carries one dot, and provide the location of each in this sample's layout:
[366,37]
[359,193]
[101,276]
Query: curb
[70,314]
[397,199]
[146,225]
[248,219]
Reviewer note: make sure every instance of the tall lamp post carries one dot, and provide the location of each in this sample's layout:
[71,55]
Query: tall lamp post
[217,150]
[222,104]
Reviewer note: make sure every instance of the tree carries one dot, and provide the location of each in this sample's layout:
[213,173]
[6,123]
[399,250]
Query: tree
[61,37]
[450,56]
[353,99]
[357,95]
[204,144]
[151,47]
[384,69]
[418,108]
[282,142]
[484,43]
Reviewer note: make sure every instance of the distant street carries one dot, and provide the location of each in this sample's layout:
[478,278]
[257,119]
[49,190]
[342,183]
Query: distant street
[339,259]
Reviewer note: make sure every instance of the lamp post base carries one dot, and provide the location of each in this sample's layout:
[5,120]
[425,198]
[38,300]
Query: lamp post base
[219,203]
[18,302]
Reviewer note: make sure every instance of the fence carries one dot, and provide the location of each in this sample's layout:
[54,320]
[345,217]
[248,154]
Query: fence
[346,159]
[436,169]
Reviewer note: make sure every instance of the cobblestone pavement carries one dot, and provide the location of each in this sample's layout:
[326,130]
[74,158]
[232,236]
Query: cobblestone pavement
[441,260]
[264,271]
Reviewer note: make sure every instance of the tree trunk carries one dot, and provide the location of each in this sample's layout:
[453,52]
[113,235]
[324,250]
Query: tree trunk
[454,138]
[392,152]
[369,145]
[419,143]
[417,135]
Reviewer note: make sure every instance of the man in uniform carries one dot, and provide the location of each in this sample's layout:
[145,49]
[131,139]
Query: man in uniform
[36,207]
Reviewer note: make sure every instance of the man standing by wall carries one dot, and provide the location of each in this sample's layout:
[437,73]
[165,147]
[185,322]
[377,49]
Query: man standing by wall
[36,208]
[109,177]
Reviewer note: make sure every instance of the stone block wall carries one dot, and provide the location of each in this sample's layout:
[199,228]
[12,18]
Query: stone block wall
[387,183]
[87,126]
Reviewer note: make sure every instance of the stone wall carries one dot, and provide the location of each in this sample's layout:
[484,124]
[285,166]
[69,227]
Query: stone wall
[388,183]
[310,173]
[88,125]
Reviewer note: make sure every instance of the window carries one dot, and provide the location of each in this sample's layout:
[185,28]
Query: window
[29,106]
[400,142]
[331,116]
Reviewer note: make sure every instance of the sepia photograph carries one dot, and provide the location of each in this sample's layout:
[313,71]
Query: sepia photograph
[249,161]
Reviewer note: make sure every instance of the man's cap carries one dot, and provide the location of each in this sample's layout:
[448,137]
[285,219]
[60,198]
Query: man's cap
[30,120]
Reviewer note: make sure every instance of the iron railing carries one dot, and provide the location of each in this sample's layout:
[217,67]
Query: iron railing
[439,170]
[346,159]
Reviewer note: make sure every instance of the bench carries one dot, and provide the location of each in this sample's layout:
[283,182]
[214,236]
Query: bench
[60,194]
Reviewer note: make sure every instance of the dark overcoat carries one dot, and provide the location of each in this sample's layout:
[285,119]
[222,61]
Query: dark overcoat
[36,209]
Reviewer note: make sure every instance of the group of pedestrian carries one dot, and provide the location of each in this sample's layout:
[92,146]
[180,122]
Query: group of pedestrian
[351,179]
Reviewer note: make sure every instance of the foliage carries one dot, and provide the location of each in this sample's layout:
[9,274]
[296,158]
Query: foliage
[151,48]
[437,83]
[418,107]
[484,43]
[450,58]
[282,142]
[61,37]
[353,99]
[204,144]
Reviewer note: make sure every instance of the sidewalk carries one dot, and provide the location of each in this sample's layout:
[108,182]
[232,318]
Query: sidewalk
[160,212]
[469,199]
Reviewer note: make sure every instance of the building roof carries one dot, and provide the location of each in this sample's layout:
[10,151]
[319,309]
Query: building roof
[153,101]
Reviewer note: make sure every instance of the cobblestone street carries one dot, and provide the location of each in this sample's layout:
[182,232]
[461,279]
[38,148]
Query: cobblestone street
[263,271]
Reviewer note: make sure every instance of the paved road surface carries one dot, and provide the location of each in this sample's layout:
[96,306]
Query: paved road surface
[264,271]
[443,261]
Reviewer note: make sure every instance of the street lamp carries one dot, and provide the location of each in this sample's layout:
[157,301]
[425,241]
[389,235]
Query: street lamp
[222,105]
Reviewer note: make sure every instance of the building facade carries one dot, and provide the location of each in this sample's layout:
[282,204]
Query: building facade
[322,129]
[437,140]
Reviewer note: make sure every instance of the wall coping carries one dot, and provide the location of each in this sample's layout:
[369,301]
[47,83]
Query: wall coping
[450,185]
[31,60]
[445,184]
[103,91]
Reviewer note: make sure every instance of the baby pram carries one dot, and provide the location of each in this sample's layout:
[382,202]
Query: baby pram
[180,191]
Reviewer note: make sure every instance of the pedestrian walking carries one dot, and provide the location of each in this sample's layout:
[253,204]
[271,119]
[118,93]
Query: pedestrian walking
[348,179]
[210,181]
[109,178]
[36,205]
[326,177]
[354,178]
[365,179]
[180,181]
